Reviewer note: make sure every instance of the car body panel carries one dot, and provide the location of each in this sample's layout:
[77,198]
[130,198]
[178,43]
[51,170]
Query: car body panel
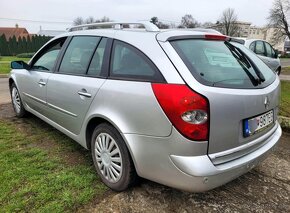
[159,152]
[228,107]
[66,106]
[32,86]
[132,107]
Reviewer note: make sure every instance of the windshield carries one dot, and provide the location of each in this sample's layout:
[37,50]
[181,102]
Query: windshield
[223,64]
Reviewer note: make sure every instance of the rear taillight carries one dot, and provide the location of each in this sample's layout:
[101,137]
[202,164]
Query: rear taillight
[188,111]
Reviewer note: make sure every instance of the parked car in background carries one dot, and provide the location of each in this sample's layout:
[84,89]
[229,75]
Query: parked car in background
[190,109]
[266,52]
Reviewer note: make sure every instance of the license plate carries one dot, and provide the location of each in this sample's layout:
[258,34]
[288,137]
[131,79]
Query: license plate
[258,123]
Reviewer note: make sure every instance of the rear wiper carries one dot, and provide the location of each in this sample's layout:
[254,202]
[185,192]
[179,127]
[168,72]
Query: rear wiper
[240,55]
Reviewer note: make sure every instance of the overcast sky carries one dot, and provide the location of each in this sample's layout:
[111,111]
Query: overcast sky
[38,13]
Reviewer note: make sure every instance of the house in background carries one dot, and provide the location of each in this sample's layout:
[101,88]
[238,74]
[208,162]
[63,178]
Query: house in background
[16,31]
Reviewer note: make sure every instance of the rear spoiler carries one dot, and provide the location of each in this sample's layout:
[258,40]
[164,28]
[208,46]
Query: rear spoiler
[218,37]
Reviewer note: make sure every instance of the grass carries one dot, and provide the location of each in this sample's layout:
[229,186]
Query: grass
[5,63]
[35,176]
[285,71]
[285,99]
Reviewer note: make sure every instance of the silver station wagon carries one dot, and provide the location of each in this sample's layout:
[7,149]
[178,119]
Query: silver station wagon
[190,109]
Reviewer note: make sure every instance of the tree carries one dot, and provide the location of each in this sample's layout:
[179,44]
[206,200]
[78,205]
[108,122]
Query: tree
[278,19]
[78,21]
[12,45]
[90,20]
[207,24]
[154,20]
[158,23]
[104,19]
[4,48]
[188,21]
[228,22]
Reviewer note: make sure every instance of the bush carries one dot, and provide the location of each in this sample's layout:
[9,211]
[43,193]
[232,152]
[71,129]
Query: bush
[25,55]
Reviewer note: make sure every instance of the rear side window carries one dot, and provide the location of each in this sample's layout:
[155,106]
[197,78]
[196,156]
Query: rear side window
[78,55]
[214,63]
[130,63]
[252,46]
[260,50]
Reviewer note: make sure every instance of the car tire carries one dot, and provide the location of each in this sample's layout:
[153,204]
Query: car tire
[278,70]
[111,158]
[17,102]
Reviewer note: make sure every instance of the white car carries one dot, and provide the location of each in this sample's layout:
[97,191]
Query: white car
[265,52]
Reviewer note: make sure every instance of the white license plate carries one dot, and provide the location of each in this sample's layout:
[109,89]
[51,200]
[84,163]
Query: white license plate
[258,123]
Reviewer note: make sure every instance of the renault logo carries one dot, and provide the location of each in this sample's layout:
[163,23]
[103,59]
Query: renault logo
[266,102]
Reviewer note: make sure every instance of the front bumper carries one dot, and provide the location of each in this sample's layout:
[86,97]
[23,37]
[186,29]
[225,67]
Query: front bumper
[154,160]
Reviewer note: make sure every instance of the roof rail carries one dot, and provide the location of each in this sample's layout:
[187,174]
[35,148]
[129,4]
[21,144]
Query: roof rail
[150,27]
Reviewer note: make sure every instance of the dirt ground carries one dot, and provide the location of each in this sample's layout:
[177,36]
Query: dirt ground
[264,189]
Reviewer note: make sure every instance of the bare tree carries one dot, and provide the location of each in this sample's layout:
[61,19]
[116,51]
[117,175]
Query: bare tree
[90,20]
[104,19]
[78,21]
[188,21]
[207,24]
[228,22]
[158,23]
[278,19]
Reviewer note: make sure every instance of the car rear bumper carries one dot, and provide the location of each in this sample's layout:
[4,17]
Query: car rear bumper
[192,173]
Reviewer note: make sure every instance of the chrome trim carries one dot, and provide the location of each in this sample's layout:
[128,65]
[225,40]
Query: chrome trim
[149,27]
[88,95]
[245,146]
[61,110]
[41,83]
[34,98]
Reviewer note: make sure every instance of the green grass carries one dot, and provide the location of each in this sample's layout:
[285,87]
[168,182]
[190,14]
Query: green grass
[5,63]
[36,177]
[285,99]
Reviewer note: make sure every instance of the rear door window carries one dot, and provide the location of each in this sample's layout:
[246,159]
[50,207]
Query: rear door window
[97,60]
[78,55]
[214,63]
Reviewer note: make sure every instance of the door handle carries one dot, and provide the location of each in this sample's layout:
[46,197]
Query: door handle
[84,93]
[41,82]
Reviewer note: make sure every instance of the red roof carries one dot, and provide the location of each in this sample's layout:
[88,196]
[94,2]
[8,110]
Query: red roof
[9,32]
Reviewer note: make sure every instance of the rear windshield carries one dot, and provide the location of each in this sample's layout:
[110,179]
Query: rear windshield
[223,64]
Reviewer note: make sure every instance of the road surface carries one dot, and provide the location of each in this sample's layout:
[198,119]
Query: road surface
[285,62]
[4,91]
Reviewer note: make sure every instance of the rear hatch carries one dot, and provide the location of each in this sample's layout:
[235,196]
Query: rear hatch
[243,92]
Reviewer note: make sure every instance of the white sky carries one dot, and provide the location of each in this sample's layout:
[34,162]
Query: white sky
[254,11]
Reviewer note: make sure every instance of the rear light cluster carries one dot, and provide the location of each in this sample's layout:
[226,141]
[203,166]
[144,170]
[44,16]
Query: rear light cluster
[216,37]
[188,111]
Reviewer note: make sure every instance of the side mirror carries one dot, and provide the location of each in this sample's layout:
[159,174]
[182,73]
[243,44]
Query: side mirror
[19,65]
[279,55]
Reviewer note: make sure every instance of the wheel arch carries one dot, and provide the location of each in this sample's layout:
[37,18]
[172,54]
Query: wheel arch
[94,122]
